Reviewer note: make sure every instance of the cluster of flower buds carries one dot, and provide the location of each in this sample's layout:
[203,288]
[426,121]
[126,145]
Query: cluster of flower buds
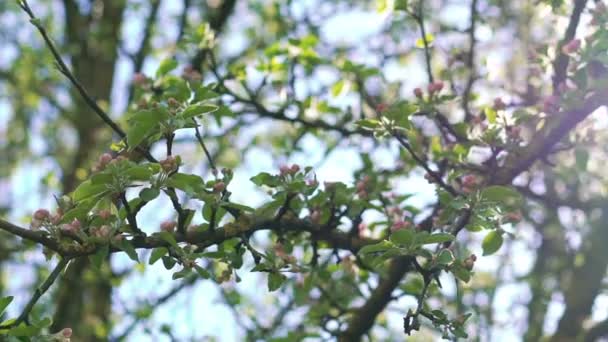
[381,107]
[551,104]
[289,170]
[103,232]
[469,183]
[400,224]
[499,104]
[469,262]
[189,74]
[102,162]
[168,164]
[363,230]
[104,214]
[280,252]
[173,105]
[435,87]
[72,227]
[571,47]
[62,336]
[168,226]
[43,217]
[363,186]
[140,80]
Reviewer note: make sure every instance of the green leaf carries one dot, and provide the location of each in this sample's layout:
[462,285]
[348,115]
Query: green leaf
[148,194]
[166,66]
[4,302]
[139,172]
[168,262]
[275,280]
[502,194]
[445,257]
[149,116]
[400,5]
[378,247]
[137,133]
[492,242]
[403,237]
[168,238]
[437,238]
[204,93]
[87,189]
[127,247]
[180,274]
[100,256]
[490,114]
[190,184]
[241,207]
[23,330]
[198,109]
[265,178]
[369,124]
[337,88]
[156,254]
[202,272]
[460,272]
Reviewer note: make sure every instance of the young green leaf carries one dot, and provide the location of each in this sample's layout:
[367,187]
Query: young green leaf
[492,242]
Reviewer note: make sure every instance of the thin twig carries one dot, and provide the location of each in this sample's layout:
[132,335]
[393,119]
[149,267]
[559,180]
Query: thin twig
[41,290]
[63,68]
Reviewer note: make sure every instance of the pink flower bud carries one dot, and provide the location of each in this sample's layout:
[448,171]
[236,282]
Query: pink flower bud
[75,224]
[104,231]
[105,159]
[55,219]
[105,214]
[398,225]
[294,169]
[381,107]
[418,93]
[551,104]
[572,46]
[469,180]
[499,104]
[168,226]
[41,214]
[435,87]
[66,332]
[284,170]
[168,164]
[219,187]
[139,79]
